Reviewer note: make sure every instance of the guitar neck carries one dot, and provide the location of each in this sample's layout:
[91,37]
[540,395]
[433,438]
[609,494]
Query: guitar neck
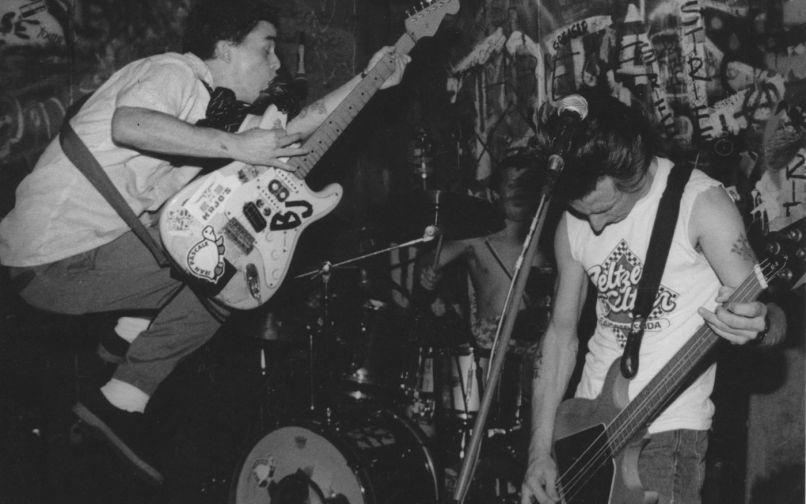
[341,117]
[664,387]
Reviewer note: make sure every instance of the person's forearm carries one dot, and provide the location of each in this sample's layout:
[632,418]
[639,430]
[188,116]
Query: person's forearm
[553,367]
[154,131]
[314,114]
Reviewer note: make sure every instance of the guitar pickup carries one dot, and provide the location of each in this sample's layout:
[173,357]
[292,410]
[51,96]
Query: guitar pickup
[254,216]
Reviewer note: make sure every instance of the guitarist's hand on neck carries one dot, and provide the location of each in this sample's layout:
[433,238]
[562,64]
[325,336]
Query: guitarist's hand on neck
[742,323]
[400,61]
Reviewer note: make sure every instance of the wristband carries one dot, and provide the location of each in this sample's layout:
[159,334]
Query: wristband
[763,333]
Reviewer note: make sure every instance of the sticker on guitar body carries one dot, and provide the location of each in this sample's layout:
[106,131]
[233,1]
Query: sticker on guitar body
[211,196]
[206,258]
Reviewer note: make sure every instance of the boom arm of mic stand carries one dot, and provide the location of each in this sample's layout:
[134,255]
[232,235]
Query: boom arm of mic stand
[329,265]
[503,335]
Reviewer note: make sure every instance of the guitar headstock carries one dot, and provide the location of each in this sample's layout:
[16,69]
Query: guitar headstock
[786,250]
[424,19]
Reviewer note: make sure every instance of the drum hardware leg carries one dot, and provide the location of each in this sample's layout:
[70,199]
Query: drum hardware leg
[312,367]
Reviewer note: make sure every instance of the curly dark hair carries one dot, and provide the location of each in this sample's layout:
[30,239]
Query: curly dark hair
[614,140]
[211,21]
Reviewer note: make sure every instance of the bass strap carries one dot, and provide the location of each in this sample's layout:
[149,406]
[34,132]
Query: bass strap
[660,242]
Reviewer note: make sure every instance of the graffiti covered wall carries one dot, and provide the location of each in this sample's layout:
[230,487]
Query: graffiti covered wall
[721,78]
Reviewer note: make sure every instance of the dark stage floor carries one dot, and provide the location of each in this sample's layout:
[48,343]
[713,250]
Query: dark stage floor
[207,415]
[204,415]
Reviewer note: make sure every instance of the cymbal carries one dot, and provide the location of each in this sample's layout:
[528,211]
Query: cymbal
[457,216]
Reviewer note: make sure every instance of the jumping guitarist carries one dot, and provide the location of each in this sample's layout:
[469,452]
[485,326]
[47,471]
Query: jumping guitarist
[612,183]
[69,250]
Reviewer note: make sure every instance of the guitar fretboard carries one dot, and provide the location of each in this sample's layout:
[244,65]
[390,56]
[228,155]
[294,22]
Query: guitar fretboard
[338,120]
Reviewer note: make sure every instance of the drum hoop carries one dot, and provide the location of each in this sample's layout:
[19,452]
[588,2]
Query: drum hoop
[354,460]
[425,446]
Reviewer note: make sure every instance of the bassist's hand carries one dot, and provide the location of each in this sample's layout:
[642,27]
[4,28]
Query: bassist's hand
[539,483]
[738,323]
[265,147]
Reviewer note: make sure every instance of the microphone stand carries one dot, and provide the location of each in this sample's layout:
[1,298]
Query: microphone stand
[504,330]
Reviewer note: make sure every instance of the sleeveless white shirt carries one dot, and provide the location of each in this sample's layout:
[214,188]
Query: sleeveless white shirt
[613,261]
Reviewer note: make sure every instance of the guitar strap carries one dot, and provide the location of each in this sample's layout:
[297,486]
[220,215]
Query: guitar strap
[657,252]
[81,157]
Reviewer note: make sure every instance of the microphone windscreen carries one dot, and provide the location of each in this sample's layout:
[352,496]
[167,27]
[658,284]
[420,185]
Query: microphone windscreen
[573,103]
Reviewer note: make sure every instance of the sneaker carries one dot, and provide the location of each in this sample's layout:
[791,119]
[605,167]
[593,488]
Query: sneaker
[112,348]
[121,430]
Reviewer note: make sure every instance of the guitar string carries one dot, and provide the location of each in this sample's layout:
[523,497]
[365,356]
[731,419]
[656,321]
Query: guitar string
[362,98]
[601,454]
[643,403]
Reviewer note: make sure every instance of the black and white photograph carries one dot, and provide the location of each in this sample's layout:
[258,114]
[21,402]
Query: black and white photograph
[402,251]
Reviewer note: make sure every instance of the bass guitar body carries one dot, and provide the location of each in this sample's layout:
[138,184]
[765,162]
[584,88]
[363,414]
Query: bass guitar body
[236,229]
[592,473]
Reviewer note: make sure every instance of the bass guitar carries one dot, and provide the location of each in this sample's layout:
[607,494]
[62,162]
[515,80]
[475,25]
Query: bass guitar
[235,230]
[597,441]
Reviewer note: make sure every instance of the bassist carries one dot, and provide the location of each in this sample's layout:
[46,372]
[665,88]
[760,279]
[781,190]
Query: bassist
[612,184]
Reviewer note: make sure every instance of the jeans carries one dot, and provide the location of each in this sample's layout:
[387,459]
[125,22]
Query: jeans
[120,276]
[672,464]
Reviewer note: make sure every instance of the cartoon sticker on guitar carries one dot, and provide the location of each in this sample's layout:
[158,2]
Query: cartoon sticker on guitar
[206,258]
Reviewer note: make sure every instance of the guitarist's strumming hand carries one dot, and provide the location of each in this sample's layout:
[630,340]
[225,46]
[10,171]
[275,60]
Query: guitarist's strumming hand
[539,482]
[265,147]
[738,323]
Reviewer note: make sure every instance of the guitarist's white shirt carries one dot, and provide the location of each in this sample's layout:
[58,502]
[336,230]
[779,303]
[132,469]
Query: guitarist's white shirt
[613,261]
[57,212]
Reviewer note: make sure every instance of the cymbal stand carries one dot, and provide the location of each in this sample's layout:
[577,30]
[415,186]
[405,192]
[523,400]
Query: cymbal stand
[321,325]
[428,235]
[324,272]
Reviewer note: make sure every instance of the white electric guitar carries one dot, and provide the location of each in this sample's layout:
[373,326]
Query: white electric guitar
[235,230]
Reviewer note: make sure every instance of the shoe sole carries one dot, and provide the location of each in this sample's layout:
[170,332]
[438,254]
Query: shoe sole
[148,473]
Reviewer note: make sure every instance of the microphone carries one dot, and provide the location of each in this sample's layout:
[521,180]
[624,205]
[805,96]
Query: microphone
[571,110]
[430,233]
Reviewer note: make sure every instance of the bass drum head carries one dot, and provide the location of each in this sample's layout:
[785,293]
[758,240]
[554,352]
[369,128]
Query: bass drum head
[366,457]
[269,472]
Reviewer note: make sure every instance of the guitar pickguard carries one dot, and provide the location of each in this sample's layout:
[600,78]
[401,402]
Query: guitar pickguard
[252,222]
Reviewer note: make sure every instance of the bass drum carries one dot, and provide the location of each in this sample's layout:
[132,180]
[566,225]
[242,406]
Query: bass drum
[375,458]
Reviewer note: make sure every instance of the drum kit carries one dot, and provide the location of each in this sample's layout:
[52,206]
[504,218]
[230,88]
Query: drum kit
[390,393]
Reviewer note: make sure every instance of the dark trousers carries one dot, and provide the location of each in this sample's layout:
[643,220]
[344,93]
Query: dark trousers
[122,275]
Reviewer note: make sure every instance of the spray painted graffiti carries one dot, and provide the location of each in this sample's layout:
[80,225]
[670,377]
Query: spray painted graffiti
[712,73]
